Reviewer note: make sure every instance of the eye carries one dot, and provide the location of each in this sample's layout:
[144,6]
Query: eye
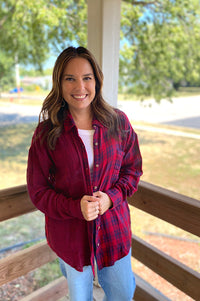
[87,78]
[69,79]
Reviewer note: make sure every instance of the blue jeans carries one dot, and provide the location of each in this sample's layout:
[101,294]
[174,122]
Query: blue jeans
[117,281]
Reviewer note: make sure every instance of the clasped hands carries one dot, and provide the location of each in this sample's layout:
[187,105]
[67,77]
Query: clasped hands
[92,206]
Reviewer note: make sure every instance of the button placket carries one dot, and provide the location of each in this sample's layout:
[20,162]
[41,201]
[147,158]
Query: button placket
[98,228]
[96,164]
[85,162]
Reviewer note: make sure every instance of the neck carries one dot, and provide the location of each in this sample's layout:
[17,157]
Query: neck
[83,120]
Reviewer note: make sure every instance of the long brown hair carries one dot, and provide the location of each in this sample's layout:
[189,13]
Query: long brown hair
[54,109]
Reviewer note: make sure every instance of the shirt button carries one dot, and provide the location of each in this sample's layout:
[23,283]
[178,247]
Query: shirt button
[99,228]
[95,187]
[96,143]
[98,245]
[97,165]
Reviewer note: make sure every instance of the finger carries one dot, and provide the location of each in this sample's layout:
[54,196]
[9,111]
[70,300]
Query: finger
[101,210]
[92,215]
[96,210]
[97,194]
[104,205]
[90,198]
[92,207]
[90,210]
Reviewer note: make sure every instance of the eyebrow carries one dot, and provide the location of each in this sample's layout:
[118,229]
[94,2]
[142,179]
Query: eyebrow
[71,75]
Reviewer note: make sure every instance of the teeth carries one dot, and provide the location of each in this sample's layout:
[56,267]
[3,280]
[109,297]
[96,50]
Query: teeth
[80,97]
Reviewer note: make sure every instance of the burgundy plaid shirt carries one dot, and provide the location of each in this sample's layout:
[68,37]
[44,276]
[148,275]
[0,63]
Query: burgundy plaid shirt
[58,179]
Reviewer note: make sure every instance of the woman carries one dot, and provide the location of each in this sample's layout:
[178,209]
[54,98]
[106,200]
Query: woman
[83,162]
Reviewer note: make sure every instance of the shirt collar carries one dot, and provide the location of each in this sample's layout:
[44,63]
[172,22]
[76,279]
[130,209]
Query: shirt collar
[69,122]
[96,122]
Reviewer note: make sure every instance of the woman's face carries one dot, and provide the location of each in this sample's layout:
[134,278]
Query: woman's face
[78,85]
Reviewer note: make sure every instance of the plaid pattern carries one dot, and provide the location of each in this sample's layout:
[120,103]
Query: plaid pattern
[58,179]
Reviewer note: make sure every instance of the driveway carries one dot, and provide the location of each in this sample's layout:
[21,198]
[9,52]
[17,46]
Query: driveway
[183,112]
[11,113]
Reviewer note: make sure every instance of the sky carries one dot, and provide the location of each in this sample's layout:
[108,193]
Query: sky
[50,62]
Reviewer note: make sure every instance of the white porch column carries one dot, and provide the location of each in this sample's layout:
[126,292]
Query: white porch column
[104,42]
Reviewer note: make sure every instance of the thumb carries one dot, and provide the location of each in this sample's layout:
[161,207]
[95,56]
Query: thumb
[97,194]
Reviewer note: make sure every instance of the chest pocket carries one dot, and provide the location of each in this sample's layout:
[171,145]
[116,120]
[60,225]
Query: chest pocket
[118,162]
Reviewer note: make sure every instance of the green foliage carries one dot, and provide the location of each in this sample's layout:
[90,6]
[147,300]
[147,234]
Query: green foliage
[47,273]
[32,28]
[162,48]
[6,68]
[160,40]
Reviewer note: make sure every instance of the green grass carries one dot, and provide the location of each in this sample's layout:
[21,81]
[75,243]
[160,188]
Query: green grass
[166,127]
[187,91]
[22,101]
[46,274]
[171,162]
[22,229]
[37,97]
[182,92]
[168,161]
[125,96]
[15,141]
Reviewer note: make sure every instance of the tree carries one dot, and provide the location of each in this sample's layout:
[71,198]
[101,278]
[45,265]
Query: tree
[162,47]
[160,39]
[6,76]
[31,29]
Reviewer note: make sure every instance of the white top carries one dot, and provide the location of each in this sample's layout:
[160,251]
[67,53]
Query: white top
[87,138]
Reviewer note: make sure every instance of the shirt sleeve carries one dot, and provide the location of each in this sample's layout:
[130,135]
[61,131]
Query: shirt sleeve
[131,168]
[40,189]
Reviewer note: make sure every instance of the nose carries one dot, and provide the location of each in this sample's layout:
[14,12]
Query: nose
[80,85]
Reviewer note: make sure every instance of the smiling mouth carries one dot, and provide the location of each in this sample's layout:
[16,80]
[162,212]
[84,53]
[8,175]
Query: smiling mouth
[79,97]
